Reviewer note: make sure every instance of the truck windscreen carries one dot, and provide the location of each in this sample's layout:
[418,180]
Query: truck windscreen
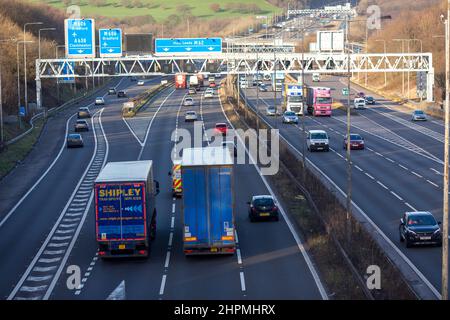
[323,100]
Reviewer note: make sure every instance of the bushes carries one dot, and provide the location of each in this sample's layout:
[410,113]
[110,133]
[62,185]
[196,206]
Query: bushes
[215,7]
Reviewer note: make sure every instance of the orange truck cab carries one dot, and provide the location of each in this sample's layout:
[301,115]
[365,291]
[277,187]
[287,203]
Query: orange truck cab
[177,188]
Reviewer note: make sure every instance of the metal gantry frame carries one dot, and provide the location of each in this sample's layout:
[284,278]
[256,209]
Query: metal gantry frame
[234,63]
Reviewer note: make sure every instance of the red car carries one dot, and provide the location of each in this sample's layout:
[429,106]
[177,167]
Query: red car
[356,142]
[221,128]
[212,85]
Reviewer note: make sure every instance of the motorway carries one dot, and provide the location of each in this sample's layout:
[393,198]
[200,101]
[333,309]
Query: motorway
[400,169]
[48,231]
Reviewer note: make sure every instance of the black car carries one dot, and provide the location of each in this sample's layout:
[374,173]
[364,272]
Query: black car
[420,228]
[370,100]
[74,140]
[121,94]
[262,207]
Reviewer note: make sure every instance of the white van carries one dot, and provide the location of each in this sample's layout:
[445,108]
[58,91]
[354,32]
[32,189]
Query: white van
[317,140]
[359,103]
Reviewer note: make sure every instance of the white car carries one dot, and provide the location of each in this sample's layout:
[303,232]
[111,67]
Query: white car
[209,94]
[99,101]
[140,83]
[188,102]
[359,103]
[163,81]
[418,115]
[271,111]
[317,140]
[190,116]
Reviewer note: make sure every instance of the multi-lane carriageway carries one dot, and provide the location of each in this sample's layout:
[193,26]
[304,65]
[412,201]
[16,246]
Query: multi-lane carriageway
[400,170]
[47,217]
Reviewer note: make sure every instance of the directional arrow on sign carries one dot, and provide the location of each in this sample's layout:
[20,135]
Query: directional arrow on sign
[80,51]
[166,49]
[110,50]
[210,48]
[188,49]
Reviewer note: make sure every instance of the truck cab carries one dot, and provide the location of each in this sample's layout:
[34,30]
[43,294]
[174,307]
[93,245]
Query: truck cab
[316,77]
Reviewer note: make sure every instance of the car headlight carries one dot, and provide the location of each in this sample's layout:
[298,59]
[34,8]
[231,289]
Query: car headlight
[437,231]
[411,232]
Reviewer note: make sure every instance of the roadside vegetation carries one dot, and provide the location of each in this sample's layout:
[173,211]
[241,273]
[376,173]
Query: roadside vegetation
[410,20]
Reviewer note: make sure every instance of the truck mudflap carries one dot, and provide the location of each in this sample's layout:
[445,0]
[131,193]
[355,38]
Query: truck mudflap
[121,249]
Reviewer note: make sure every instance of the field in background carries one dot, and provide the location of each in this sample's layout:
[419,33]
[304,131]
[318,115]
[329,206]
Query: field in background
[162,9]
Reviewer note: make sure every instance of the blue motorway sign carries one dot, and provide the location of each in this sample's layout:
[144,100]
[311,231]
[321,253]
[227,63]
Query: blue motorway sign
[80,38]
[66,70]
[188,45]
[22,111]
[110,41]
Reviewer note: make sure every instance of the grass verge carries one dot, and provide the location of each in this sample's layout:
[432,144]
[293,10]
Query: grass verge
[16,152]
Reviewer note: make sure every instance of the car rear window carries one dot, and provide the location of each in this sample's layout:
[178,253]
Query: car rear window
[289,113]
[263,202]
[355,137]
[221,125]
[74,136]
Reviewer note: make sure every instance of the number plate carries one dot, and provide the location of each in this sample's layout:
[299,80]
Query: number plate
[265,214]
[213,249]
[121,246]
[425,238]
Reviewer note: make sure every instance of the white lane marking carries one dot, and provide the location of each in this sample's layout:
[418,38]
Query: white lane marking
[389,159]
[403,167]
[416,174]
[42,176]
[65,231]
[172,222]
[57,245]
[412,208]
[396,195]
[170,239]
[39,279]
[163,284]
[166,264]
[33,289]
[44,269]
[49,260]
[236,236]
[302,249]
[58,238]
[437,172]
[239,258]
[432,183]
[357,167]
[382,185]
[371,177]
[241,275]
[173,207]
[53,252]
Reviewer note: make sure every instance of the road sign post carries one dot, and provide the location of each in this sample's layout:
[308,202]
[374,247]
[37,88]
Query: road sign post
[80,38]
[110,41]
[188,45]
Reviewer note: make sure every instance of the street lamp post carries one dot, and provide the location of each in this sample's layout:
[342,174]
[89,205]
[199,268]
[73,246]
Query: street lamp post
[2,136]
[25,61]
[39,46]
[444,285]
[403,72]
[18,79]
[385,73]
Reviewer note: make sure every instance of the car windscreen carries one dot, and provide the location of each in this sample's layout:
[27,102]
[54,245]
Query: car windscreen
[319,135]
[289,114]
[263,202]
[418,112]
[421,220]
[323,100]
[355,137]
[74,136]
[81,122]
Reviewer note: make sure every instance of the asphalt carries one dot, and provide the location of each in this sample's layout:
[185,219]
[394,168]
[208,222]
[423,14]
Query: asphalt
[392,175]
[272,266]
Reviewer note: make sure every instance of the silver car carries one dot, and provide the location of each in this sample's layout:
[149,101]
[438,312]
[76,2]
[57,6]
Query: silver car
[190,116]
[290,117]
[271,111]
[419,115]
[188,102]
